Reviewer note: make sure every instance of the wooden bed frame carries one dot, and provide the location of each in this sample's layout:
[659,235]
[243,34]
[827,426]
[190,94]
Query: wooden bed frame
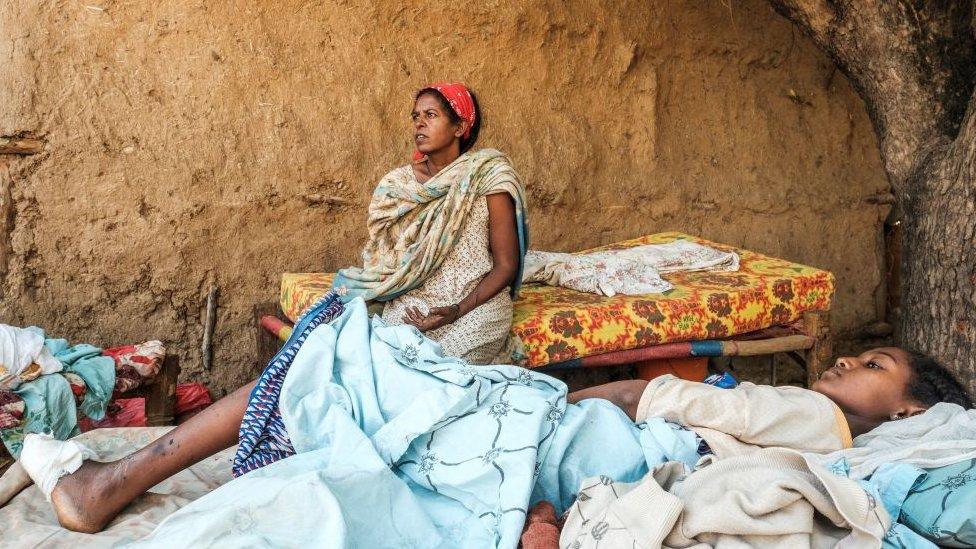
[812,348]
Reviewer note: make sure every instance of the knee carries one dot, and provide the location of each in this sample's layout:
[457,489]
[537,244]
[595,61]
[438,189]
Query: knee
[630,396]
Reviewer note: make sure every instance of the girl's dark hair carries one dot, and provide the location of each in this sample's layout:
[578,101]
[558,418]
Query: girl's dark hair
[466,144]
[933,383]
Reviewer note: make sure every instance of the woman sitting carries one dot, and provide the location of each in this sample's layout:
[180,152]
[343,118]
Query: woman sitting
[447,234]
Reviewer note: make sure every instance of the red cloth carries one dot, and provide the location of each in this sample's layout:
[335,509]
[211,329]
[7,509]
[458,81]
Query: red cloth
[123,412]
[131,412]
[191,397]
[541,530]
[459,97]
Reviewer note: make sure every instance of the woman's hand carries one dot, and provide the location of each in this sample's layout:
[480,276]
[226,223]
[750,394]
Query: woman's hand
[436,318]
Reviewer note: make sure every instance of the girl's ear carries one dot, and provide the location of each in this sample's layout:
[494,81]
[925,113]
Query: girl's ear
[461,129]
[909,410]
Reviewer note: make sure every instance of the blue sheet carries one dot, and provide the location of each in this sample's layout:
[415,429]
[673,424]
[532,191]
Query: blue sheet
[890,484]
[399,446]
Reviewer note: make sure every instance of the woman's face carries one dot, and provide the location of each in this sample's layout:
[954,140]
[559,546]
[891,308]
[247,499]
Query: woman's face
[872,385]
[433,130]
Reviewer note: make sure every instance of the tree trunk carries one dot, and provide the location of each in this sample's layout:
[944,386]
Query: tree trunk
[914,64]
[939,270]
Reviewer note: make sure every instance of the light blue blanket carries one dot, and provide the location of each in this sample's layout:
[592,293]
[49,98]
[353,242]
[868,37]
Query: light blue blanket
[398,446]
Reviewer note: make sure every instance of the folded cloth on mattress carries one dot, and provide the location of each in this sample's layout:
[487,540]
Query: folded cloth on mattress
[399,446]
[630,271]
[556,324]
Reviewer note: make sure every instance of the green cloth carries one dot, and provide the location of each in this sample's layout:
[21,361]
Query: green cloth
[96,370]
[49,408]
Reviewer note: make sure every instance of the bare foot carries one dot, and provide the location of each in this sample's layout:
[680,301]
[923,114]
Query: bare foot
[88,499]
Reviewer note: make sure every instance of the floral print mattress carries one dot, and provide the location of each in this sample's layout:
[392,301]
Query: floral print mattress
[556,324]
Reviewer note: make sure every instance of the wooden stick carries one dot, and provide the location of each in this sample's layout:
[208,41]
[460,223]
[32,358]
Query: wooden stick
[817,326]
[20,145]
[758,347]
[6,215]
[210,321]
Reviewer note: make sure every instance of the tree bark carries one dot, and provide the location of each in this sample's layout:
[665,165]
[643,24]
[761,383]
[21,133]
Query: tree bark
[939,271]
[913,62]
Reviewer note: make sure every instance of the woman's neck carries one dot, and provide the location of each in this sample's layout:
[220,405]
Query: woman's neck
[437,161]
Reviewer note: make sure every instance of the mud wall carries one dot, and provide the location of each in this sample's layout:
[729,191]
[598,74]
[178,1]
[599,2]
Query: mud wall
[194,143]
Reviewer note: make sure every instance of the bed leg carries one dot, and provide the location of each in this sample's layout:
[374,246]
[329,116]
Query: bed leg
[161,395]
[266,345]
[817,358]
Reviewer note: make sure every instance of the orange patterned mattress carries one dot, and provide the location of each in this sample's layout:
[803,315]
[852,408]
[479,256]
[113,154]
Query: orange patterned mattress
[557,324]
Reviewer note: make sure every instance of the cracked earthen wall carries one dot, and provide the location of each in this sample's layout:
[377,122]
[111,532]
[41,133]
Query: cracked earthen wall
[193,143]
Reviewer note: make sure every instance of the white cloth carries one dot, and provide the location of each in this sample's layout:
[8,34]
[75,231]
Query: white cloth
[771,498]
[23,356]
[943,435]
[630,271]
[46,459]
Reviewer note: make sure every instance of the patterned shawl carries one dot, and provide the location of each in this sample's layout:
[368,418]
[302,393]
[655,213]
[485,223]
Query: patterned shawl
[413,226]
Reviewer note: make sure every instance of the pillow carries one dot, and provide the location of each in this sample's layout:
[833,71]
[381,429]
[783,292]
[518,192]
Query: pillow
[941,506]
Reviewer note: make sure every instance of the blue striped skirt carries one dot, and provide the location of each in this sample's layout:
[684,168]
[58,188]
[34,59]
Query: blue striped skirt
[263,438]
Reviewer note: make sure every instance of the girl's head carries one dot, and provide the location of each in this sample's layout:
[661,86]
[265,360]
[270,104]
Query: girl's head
[889,383]
[445,116]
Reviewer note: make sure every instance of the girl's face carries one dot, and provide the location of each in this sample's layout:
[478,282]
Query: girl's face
[873,385]
[433,130]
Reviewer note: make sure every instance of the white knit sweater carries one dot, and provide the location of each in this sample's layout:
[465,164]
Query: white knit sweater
[740,420]
[768,498]
[756,490]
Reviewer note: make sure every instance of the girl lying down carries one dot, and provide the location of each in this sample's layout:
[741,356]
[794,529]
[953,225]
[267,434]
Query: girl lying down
[396,445]
[852,397]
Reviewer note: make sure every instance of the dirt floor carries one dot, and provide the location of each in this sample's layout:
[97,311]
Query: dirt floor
[193,144]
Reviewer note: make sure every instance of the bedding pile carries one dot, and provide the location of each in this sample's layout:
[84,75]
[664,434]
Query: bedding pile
[47,384]
[907,484]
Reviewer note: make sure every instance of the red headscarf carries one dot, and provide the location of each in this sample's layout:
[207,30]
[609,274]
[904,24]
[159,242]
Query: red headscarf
[460,99]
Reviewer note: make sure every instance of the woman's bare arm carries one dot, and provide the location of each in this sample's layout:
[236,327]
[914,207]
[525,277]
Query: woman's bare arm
[504,245]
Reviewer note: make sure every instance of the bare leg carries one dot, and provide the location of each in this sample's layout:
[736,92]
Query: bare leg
[88,499]
[625,394]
